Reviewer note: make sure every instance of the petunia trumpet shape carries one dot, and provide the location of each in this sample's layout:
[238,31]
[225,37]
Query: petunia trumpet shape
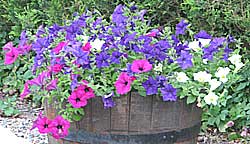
[59,47]
[60,127]
[44,125]
[52,85]
[77,100]
[123,83]
[26,90]
[11,53]
[140,66]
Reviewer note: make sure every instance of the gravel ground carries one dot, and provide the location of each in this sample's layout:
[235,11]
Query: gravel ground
[21,128]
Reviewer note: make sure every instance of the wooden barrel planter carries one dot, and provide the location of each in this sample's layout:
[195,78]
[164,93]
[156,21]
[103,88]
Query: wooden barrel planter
[134,120]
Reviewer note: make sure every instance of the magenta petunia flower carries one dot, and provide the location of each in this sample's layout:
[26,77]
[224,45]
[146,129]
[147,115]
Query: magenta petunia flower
[56,68]
[85,91]
[23,49]
[40,79]
[59,47]
[123,83]
[52,85]
[140,66]
[87,47]
[60,127]
[11,53]
[77,100]
[44,125]
[26,90]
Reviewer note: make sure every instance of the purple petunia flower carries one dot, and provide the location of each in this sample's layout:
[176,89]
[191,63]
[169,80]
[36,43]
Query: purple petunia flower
[40,31]
[203,35]
[115,58]
[181,27]
[150,86]
[213,48]
[169,93]
[161,81]
[108,101]
[102,60]
[117,17]
[185,60]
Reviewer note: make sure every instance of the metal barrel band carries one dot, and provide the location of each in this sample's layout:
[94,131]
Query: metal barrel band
[170,137]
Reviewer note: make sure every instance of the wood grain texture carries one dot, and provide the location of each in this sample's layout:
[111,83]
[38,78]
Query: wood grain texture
[133,116]
[120,115]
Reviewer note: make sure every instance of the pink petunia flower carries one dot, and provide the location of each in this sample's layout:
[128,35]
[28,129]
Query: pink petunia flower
[85,91]
[44,125]
[77,100]
[23,49]
[60,127]
[140,66]
[123,83]
[40,79]
[59,47]
[52,85]
[56,68]
[87,47]
[11,53]
[152,34]
[26,90]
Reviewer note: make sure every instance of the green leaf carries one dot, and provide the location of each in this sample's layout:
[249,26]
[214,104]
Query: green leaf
[76,117]
[241,86]
[191,99]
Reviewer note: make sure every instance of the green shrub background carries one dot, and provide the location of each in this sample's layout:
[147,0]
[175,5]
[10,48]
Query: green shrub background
[218,17]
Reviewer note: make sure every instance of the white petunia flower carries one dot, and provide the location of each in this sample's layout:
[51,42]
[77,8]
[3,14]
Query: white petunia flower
[235,59]
[211,98]
[202,76]
[214,84]
[222,74]
[238,66]
[181,77]
[194,45]
[97,44]
[204,42]
[158,67]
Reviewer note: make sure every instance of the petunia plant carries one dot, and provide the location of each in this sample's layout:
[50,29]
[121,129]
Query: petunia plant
[90,56]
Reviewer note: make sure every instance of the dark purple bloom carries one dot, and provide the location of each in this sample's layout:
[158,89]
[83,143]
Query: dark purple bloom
[175,39]
[150,86]
[169,93]
[227,51]
[71,30]
[180,47]
[128,38]
[213,48]
[102,60]
[23,39]
[230,39]
[181,27]
[161,81]
[163,45]
[54,29]
[203,35]
[108,101]
[115,58]
[185,60]
[40,44]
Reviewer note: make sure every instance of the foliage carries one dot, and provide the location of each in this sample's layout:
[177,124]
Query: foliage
[7,106]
